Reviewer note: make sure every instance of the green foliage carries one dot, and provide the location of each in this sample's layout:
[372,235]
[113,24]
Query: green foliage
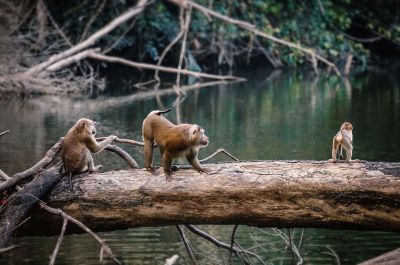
[322,25]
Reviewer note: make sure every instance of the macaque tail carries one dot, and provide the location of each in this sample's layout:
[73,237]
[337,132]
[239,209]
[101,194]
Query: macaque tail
[159,112]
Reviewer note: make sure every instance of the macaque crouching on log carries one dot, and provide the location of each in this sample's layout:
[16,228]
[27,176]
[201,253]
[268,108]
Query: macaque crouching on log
[183,140]
[78,145]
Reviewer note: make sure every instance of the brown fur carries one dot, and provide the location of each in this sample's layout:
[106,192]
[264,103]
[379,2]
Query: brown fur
[78,145]
[343,139]
[183,140]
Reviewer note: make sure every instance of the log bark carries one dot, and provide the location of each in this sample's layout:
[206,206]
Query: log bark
[358,195]
[20,203]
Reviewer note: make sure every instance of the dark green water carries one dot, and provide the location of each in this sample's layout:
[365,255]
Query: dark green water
[278,116]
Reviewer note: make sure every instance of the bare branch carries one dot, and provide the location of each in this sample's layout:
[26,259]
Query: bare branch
[171,260]
[221,150]
[3,250]
[92,39]
[185,29]
[124,155]
[3,133]
[250,27]
[60,239]
[45,161]
[72,59]
[122,141]
[92,19]
[187,245]
[103,244]
[113,59]
[67,217]
[220,244]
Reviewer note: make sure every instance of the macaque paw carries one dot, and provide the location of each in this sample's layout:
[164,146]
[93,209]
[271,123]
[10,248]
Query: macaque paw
[97,168]
[152,170]
[205,170]
[168,177]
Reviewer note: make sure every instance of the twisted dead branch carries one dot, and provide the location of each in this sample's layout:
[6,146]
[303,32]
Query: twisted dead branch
[44,162]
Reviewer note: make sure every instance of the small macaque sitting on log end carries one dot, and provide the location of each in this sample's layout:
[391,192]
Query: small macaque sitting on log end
[343,140]
[183,140]
[78,145]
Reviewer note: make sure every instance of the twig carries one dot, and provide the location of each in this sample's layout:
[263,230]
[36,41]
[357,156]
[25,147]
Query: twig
[113,59]
[347,67]
[218,243]
[103,244]
[185,28]
[186,243]
[250,27]
[334,254]
[92,19]
[60,239]
[171,260]
[220,150]
[45,161]
[3,133]
[232,242]
[122,141]
[124,155]
[3,250]
[164,53]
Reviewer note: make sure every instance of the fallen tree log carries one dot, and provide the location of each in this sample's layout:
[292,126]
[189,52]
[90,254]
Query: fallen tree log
[358,195]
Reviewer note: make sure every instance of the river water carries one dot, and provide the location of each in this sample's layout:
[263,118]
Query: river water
[274,115]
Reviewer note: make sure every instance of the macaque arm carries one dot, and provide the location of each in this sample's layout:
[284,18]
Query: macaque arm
[334,149]
[91,167]
[192,159]
[148,155]
[96,147]
[167,162]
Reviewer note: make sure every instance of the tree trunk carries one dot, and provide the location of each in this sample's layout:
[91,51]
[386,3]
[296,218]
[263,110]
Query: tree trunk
[358,195]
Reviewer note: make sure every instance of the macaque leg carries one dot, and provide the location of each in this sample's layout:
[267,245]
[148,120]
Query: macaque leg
[334,151]
[148,155]
[167,162]
[195,164]
[340,151]
[349,153]
[91,167]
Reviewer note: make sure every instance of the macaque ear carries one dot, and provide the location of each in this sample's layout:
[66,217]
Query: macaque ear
[83,125]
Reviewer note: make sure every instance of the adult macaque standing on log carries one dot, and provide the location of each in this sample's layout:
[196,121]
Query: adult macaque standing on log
[343,139]
[78,145]
[183,140]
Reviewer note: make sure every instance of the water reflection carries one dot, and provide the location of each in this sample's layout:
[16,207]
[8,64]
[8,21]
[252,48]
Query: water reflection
[272,116]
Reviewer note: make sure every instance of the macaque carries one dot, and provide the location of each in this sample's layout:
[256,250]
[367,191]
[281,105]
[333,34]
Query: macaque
[183,140]
[343,140]
[78,145]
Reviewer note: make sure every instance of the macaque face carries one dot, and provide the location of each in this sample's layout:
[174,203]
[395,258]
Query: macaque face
[347,126]
[88,125]
[198,136]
